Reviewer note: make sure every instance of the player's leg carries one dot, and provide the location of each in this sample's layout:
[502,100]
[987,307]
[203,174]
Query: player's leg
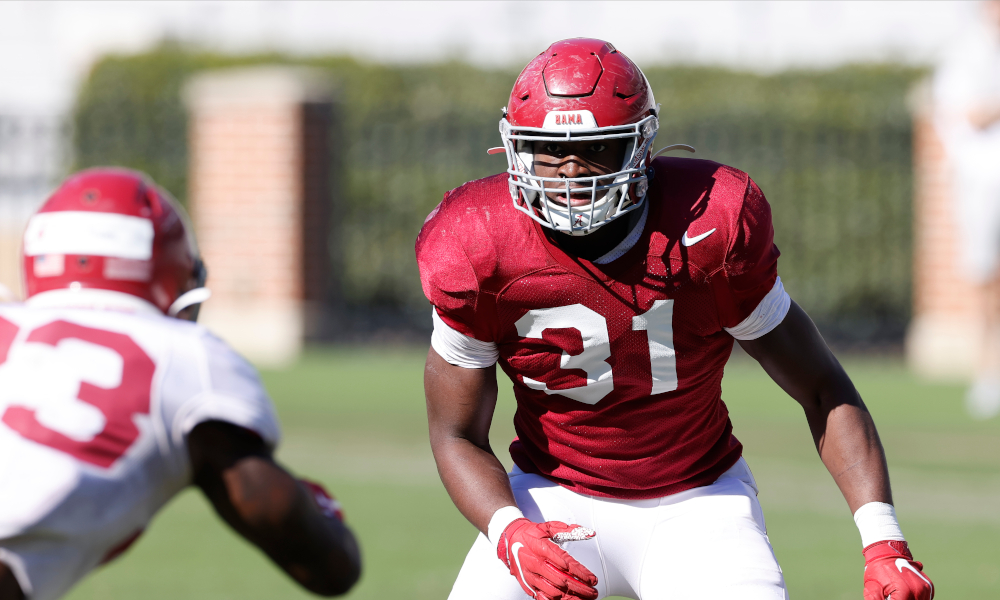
[977,204]
[484,577]
[982,399]
[711,543]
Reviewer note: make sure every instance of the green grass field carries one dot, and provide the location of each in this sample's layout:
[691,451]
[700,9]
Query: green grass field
[354,419]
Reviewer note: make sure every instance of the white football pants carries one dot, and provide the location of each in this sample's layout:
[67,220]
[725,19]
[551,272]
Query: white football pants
[708,543]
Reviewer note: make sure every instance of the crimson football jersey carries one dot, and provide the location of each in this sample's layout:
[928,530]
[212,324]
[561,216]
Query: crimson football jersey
[617,368]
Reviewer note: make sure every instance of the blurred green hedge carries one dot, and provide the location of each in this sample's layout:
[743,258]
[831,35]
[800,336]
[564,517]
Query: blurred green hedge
[831,150]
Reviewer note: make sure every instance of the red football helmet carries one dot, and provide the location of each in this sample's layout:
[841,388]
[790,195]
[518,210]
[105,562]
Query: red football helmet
[113,229]
[579,90]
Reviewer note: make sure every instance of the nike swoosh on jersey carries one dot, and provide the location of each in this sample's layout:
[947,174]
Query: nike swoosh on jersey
[691,241]
[900,564]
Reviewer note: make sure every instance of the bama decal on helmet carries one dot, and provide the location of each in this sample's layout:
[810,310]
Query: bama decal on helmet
[576,119]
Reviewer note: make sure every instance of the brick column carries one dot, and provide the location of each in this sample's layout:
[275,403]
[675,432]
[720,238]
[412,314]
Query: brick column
[943,338]
[259,192]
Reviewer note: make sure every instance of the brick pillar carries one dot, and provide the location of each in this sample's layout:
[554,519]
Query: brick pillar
[943,338]
[259,190]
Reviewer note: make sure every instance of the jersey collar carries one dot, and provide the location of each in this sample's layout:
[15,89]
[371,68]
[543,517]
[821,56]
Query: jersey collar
[89,298]
[620,265]
[630,240]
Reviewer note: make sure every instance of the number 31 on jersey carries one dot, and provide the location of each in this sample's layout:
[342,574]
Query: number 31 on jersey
[657,322]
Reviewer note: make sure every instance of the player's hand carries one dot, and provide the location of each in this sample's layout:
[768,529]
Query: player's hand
[328,505]
[544,570]
[891,572]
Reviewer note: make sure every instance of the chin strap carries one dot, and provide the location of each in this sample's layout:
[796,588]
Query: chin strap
[672,147]
[189,298]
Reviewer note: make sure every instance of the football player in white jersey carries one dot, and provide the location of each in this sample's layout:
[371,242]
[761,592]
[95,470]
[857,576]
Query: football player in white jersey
[112,401]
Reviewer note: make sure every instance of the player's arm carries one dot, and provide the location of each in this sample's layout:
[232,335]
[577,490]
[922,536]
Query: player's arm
[460,405]
[10,589]
[783,339]
[797,358]
[272,509]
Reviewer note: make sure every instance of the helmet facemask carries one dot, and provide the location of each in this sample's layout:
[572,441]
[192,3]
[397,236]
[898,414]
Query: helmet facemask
[612,195]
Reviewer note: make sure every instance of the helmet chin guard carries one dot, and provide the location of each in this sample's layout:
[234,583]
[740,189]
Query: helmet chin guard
[579,90]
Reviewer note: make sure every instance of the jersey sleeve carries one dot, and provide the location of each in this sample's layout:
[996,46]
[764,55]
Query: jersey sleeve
[751,269]
[459,349]
[218,385]
[448,278]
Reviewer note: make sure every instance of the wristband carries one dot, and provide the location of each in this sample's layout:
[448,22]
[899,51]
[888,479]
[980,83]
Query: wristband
[877,522]
[499,522]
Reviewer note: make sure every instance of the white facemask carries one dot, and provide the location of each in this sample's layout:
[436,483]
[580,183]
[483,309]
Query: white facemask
[610,195]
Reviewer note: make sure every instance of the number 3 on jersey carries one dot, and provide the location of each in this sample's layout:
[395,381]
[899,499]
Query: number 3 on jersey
[118,405]
[657,322]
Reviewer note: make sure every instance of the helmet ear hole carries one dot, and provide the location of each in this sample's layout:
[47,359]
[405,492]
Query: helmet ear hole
[200,274]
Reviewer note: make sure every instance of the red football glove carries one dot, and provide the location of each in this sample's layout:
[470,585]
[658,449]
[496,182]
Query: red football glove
[890,571]
[544,570]
[328,505]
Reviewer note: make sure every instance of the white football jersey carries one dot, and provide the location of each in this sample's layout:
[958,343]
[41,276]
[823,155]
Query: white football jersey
[95,408]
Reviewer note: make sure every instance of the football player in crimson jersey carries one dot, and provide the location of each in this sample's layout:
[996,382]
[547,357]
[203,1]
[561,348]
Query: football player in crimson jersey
[112,401]
[610,287]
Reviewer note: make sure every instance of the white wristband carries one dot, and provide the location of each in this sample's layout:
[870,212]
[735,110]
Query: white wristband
[877,522]
[500,520]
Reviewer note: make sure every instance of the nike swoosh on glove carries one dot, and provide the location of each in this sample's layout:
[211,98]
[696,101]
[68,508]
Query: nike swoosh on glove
[891,572]
[544,570]
[328,505]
